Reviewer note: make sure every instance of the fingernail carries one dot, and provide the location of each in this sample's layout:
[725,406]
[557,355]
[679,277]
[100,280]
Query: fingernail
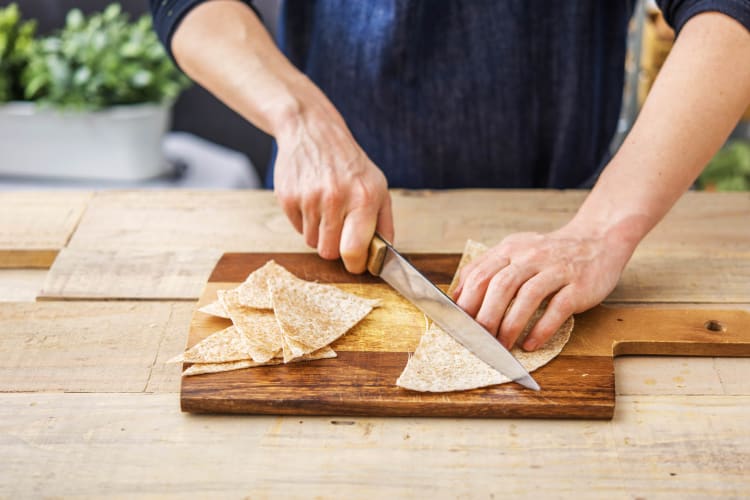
[530,345]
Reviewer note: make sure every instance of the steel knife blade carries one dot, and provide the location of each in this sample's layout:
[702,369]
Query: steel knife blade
[397,271]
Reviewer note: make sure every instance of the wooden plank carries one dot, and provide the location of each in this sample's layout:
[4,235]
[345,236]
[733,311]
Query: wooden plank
[139,445]
[361,381]
[252,220]
[669,266]
[677,277]
[638,375]
[704,222]
[183,220]
[699,221]
[128,274]
[82,346]
[21,285]
[165,377]
[35,226]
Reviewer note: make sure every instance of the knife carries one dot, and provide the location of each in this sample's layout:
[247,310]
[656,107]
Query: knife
[383,260]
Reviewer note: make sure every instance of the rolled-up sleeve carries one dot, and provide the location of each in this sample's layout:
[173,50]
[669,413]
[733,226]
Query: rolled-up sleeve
[167,15]
[678,12]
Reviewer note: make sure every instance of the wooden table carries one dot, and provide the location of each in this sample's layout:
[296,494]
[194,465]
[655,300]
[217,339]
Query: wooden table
[89,408]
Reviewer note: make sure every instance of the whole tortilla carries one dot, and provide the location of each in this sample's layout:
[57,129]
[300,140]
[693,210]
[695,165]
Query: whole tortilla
[440,364]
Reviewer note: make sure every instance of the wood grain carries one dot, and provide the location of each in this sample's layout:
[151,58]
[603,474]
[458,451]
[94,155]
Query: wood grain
[35,226]
[139,445]
[86,346]
[178,220]
[21,285]
[128,274]
[361,381]
[669,266]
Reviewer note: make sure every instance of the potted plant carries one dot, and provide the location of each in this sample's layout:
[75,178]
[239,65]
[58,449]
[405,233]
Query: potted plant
[91,101]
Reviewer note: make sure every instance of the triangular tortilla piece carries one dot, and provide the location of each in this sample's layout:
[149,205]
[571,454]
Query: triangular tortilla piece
[254,292]
[201,368]
[312,315]
[292,349]
[215,308]
[259,326]
[225,345]
[440,364]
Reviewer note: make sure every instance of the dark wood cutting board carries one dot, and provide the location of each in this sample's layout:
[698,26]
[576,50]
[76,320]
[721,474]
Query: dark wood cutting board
[361,380]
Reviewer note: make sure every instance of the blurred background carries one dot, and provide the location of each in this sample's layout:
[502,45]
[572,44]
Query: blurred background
[207,144]
[197,117]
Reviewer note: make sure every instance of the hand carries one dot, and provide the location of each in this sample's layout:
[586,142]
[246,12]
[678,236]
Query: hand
[331,191]
[575,270]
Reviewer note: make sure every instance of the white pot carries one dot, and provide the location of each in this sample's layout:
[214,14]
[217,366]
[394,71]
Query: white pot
[119,143]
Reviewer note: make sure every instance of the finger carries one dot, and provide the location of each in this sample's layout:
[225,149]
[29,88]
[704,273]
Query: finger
[560,308]
[310,228]
[501,290]
[295,217]
[385,219]
[465,271]
[356,234]
[291,208]
[329,234]
[311,221]
[527,301]
[477,281]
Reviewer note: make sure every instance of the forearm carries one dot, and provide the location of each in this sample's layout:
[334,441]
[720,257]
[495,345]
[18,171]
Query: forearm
[697,99]
[224,47]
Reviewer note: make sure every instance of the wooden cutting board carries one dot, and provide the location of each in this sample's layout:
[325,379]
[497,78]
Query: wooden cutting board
[361,380]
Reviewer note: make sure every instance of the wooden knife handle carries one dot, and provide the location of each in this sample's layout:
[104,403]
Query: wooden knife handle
[376,255]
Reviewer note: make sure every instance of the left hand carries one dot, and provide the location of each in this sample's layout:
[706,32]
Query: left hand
[574,268]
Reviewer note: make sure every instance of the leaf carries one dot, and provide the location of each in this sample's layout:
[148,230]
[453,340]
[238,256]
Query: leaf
[99,60]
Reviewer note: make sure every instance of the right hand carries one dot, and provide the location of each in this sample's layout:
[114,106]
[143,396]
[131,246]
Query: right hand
[330,190]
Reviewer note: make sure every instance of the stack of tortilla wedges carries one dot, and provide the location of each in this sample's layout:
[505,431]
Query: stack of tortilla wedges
[277,318]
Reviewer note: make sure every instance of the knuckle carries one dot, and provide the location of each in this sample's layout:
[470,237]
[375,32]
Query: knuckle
[480,276]
[287,199]
[533,290]
[332,198]
[564,304]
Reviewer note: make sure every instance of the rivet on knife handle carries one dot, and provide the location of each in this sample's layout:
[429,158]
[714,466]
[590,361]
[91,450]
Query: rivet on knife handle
[376,255]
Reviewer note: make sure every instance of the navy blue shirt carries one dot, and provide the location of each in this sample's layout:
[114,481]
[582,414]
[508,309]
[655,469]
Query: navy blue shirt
[478,93]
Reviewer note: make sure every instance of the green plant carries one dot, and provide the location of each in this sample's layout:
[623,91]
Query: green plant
[729,170]
[99,61]
[16,38]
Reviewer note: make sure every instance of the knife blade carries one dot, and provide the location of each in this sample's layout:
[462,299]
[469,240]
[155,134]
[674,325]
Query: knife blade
[385,261]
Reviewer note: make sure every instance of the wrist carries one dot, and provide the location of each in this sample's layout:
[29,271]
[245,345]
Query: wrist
[302,106]
[619,230]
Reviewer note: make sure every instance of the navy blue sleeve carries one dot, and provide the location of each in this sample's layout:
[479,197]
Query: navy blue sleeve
[678,12]
[167,15]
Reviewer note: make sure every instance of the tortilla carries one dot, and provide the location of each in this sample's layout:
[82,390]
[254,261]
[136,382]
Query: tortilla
[201,368]
[292,349]
[312,315]
[215,308]
[254,292]
[258,326]
[441,364]
[225,345]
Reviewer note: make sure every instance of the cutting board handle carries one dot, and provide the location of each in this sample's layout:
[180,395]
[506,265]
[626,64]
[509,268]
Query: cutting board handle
[619,331]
